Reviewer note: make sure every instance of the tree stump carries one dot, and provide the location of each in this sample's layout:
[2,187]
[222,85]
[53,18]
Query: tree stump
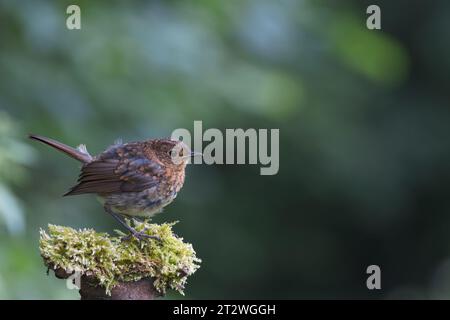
[135,290]
[111,268]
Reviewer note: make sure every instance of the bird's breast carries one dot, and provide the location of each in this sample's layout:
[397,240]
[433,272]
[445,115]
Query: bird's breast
[139,204]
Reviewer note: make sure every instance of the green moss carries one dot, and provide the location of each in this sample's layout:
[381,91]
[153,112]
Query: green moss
[111,259]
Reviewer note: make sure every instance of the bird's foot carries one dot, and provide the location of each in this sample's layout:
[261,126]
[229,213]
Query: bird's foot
[140,235]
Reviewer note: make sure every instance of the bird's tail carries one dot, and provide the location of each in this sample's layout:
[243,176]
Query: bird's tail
[79,154]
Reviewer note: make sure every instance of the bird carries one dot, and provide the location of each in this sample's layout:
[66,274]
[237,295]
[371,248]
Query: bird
[132,180]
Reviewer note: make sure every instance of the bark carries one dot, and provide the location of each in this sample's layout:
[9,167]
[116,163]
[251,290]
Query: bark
[133,290]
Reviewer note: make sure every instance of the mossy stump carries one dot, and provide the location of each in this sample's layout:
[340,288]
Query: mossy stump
[111,268]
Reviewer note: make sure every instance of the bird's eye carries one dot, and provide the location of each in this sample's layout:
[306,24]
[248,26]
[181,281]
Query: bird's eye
[181,152]
[174,153]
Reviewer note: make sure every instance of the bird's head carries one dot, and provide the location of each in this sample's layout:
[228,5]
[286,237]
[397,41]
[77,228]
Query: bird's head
[172,153]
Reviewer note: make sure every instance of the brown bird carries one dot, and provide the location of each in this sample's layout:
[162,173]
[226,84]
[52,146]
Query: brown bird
[135,179]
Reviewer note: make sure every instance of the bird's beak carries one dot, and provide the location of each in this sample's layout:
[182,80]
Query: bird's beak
[193,154]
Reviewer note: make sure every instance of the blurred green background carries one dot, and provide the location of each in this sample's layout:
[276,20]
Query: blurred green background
[364,137]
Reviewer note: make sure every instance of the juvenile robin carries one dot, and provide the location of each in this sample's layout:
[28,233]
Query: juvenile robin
[135,179]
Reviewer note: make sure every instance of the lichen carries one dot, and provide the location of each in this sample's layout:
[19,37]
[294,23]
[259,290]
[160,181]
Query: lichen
[112,259]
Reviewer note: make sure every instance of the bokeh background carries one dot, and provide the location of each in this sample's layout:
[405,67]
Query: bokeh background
[364,123]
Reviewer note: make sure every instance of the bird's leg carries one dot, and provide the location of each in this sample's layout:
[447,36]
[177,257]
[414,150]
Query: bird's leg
[134,232]
[140,219]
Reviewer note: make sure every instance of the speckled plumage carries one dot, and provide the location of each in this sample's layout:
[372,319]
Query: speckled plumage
[135,179]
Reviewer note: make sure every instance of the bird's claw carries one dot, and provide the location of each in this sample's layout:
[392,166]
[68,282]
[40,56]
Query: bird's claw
[140,236]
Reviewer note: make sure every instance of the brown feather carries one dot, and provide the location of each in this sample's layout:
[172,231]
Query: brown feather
[113,173]
[72,152]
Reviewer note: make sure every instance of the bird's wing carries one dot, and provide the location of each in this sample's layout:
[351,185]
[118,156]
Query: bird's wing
[120,169]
